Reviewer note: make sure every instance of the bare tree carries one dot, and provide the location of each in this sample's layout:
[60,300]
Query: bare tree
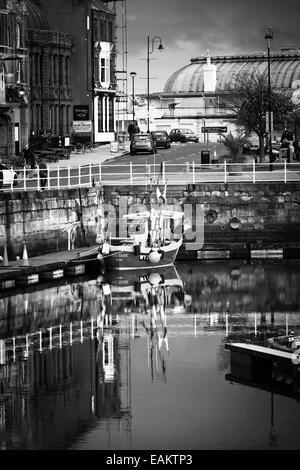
[248,99]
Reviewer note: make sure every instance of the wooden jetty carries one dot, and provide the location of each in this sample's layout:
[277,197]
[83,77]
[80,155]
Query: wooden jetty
[49,266]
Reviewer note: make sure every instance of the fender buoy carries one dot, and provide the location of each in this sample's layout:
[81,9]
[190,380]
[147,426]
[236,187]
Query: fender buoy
[154,257]
[155,279]
[105,249]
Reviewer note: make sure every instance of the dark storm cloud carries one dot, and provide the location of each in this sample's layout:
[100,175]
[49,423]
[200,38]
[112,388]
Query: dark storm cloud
[241,22]
[190,27]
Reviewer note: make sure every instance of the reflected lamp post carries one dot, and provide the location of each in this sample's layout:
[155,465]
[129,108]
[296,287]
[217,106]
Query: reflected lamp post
[133,75]
[269,37]
[160,48]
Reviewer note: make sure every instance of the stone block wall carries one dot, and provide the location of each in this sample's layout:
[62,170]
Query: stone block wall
[39,217]
[260,214]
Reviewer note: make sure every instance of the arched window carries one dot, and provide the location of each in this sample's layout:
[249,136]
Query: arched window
[8,36]
[2,84]
[18,35]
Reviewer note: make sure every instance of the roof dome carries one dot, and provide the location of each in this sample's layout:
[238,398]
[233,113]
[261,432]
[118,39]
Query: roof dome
[35,18]
[285,71]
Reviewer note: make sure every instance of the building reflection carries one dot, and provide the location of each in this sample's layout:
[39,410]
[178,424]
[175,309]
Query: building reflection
[276,375]
[65,350]
[65,360]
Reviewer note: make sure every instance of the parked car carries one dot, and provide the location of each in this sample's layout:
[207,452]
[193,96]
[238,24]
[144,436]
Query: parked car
[7,176]
[142,143]
[183,135]
[161,138]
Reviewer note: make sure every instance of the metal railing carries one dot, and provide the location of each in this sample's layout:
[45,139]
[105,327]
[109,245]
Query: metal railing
[62,177]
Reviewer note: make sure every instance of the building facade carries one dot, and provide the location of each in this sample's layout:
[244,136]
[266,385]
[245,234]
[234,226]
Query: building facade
[49,77]
[14,91]
[92,66]
[193,95]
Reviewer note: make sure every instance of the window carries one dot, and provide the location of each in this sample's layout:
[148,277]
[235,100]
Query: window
[104,70]
[67,70]
[104,64]
[18,35]
[2,84]
[8,36]
[111,115]
[18,71]
[100,116]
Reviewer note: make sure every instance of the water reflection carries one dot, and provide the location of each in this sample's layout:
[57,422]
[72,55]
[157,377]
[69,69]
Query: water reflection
[66,364]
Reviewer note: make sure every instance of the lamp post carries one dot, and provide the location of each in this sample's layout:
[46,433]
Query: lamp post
[133,75]
[268,37]
[160,48]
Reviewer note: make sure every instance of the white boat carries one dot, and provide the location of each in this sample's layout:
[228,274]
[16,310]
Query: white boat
[149,244]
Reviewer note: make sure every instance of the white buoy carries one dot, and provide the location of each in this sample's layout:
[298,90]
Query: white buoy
[154,257]
[155,279]
[105,248]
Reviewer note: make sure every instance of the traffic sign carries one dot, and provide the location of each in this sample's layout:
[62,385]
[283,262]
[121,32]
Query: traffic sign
[216,130]
[121,99]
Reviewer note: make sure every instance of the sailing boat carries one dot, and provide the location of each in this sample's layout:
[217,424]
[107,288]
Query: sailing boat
[149,244]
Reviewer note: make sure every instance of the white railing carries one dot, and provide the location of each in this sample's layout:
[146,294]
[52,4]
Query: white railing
[148,173]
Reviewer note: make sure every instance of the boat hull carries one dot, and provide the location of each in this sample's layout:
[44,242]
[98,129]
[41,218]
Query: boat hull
[128,260]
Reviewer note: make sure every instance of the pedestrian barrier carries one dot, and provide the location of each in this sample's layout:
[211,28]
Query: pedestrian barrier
[89,175]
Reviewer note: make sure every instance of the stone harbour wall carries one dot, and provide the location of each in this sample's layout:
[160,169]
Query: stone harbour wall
[260,214]
[40,217]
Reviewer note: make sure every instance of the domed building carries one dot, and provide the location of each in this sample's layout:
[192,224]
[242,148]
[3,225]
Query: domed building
[192,96]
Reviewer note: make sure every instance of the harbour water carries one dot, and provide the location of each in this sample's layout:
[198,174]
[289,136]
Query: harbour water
[139,362]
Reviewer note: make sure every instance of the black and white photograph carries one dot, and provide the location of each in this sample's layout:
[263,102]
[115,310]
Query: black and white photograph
[149,228]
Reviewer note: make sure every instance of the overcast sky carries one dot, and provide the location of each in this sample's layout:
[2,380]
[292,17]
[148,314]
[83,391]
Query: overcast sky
[188,28]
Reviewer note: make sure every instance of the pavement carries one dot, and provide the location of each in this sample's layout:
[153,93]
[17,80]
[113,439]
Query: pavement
[95,155]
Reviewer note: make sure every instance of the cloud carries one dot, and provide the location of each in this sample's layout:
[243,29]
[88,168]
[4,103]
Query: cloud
[188,28]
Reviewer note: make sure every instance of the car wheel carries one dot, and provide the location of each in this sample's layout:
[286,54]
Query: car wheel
[15,183]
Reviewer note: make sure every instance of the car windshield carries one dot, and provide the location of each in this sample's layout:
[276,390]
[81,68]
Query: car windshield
[139,137]
[159,134]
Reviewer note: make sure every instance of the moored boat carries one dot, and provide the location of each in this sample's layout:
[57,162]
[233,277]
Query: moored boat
[150,242]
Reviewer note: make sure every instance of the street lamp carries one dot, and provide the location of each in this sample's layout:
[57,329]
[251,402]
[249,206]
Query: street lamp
[133,75]
[160,48]
[268,37]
